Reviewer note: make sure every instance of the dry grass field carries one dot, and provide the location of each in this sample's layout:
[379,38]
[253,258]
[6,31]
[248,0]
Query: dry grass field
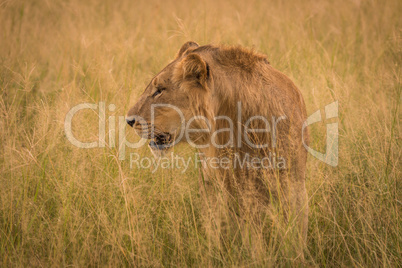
[66,206]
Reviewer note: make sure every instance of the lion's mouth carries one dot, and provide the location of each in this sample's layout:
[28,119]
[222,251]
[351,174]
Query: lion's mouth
[161,141]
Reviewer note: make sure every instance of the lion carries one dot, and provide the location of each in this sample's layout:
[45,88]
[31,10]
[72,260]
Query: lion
[233,105]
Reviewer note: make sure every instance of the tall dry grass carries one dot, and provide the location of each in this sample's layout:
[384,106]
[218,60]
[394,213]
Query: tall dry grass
[61,205]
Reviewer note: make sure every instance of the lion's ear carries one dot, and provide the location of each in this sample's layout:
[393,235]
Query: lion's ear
[195,68]
[185,47]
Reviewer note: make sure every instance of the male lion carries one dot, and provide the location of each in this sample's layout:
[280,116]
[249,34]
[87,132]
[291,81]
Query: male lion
[244,111]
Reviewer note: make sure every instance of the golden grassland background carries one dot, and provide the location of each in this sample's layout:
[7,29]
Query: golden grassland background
[61,205]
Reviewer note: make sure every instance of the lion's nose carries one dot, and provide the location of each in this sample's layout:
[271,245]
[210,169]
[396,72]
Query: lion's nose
[130,121]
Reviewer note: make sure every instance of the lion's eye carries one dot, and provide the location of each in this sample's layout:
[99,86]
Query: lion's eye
[158,91]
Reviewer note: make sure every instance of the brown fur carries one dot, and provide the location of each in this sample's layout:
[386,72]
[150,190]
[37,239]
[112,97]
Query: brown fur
[209,81]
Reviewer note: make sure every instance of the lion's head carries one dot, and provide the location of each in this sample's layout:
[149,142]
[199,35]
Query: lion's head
[168,101]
